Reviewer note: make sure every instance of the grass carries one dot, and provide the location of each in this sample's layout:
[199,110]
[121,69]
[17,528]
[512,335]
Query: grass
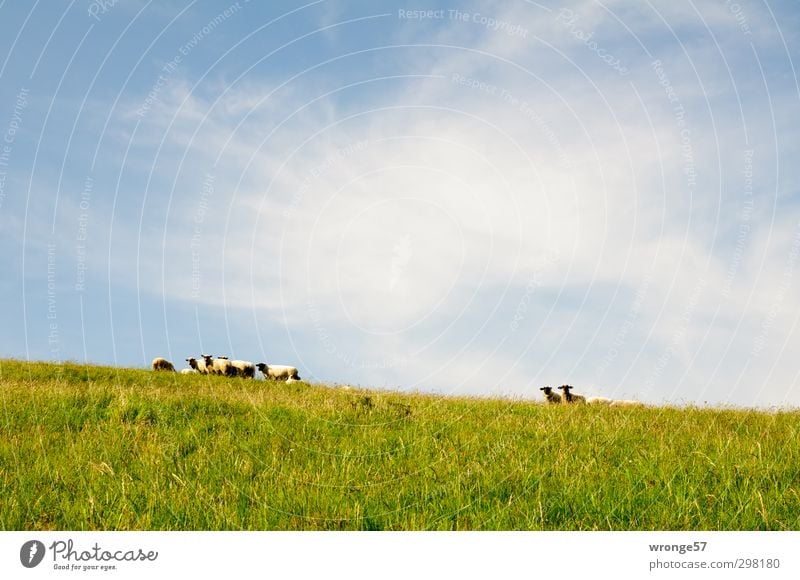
[88,447]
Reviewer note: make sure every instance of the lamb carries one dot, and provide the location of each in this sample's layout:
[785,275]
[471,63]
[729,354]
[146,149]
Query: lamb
[243,368]
[598,401]
[162,364]
[278,372]
[627,403]
[199,365]
[552,398]
[569,398]
[189,372]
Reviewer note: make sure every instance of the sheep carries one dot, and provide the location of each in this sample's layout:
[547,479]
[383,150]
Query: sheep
[198,365]
[627,403]
[569,398]
[598,401]
[243,368]
[278,372]
[189,372]
[552,398]
[162,364]
[218,366]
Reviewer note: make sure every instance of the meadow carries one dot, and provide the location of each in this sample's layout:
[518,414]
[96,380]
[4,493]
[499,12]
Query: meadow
[90,447]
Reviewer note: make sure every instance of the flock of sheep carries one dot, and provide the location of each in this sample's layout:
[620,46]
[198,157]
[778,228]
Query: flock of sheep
[221,365]
[569,398]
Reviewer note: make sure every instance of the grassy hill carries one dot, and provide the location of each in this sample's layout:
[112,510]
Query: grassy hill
[86,447]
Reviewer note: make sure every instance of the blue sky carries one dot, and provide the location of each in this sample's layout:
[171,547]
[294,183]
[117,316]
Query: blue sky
[402,195]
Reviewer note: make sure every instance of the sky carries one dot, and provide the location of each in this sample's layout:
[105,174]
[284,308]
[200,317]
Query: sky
[473,198]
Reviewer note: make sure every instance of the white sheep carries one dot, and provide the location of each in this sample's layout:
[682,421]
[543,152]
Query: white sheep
[218,366]
[627,403]
[189,372]
[598,401]
[162,364]
[198,365]
[569,398]
[278,372]
[552,398]
[243,368]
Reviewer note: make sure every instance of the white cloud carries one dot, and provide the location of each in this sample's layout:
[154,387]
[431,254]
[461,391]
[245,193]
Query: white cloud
[405,206]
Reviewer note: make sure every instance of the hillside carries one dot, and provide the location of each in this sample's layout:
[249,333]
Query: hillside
[87,447]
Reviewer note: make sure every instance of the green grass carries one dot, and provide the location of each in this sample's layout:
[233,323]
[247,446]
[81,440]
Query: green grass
[86,447]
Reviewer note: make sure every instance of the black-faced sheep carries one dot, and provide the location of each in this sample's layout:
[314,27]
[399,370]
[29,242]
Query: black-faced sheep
[218,366]
[198,365]
[162,364]
[243,368]
[552,398]
[278,372]
[569,398]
